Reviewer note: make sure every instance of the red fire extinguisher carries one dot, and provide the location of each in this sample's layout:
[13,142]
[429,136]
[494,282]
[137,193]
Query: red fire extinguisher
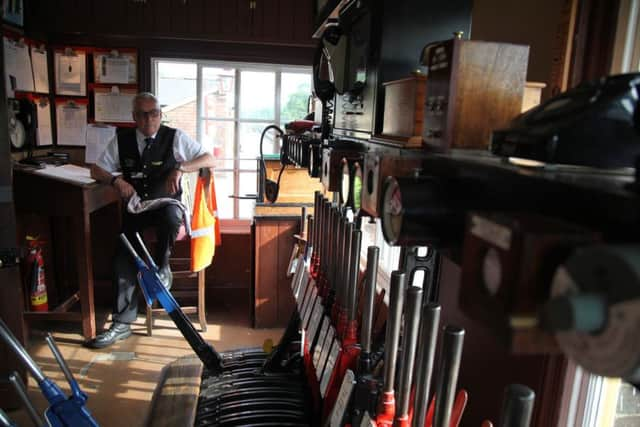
[36,282]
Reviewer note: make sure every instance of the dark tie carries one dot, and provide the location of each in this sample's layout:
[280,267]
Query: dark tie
[146,153]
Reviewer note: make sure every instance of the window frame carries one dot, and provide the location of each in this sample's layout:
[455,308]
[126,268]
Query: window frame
[626,51]
[235,224]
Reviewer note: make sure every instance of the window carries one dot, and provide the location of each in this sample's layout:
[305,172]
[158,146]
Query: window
[626,51]
[226,106]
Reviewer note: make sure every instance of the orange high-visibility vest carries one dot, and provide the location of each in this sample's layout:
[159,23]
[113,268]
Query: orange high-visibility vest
[205,227]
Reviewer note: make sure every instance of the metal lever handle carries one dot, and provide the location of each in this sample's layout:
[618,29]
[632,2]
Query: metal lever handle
[245,197]
[75,388]
[424,360]
[147,255]
[5,420]
[396,304]
[452,341]
[517,406]
[409,345]
[130,248]
[373,253]
[22,354]
[21,391]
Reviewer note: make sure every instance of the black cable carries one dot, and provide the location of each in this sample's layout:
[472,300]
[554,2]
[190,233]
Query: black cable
[270,188]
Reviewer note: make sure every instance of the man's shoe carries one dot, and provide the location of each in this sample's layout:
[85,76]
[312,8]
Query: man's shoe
[117,331]
[166,277]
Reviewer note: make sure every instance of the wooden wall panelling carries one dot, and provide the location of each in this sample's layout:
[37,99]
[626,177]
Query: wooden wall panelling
[212,16]
[196,19]
[303,21]
[162,12]
[285,302]
[594,39]
[138,18]
[273,241]
[76,15]
[266,276]
[270,21]
[245,18]
[265,20]
[286,13]
[109,17]
[180,16]
[229,18]
[37,16]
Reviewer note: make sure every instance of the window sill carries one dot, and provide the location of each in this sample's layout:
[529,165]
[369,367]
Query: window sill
[235,226]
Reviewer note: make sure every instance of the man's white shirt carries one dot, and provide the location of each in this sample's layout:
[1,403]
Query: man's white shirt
[184,149]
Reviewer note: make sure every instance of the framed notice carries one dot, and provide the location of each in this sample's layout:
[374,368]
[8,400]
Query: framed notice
[71,121]
[115,66]
[113,105]
[71,72]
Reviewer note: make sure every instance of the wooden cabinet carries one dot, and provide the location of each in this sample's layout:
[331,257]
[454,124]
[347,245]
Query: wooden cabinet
[272,244]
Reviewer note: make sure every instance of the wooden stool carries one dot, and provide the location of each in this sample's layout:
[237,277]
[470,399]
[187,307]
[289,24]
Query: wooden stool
[181,270]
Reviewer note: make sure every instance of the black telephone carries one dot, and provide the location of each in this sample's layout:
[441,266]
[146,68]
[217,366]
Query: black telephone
[22,124]
[270,188]
[595,124]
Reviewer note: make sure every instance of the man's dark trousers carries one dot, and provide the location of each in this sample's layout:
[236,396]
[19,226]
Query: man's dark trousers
[166,221]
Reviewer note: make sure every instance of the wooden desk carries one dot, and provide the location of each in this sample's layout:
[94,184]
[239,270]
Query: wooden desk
[34,193]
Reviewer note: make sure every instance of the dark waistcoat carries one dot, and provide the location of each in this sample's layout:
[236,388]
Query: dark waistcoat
[147,173]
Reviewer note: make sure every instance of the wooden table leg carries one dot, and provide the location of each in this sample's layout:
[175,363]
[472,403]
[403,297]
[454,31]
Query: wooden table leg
[82,230]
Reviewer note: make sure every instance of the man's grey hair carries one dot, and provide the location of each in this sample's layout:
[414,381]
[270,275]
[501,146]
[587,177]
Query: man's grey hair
[144,96]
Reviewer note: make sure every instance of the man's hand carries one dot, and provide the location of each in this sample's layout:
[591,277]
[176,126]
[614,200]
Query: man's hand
[125,189]
[173,181]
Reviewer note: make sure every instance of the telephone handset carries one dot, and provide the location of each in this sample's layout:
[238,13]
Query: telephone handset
[595,124]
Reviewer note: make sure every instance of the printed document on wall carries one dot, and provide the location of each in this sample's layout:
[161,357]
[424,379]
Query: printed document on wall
[113,105]
[17,67]
[44,135]
[71,73]
[115,67]
[71,121]
[40,70]
[98,137]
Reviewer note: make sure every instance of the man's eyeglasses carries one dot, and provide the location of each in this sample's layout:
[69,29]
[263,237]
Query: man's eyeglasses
[154,114]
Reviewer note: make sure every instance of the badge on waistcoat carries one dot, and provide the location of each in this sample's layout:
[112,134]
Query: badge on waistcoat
[156,163]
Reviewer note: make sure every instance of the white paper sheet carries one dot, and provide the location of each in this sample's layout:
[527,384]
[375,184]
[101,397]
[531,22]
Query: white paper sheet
[71,74]
[44,134]
[113,106]
[17,66]
[115,69]
[40,70]
[71,123]
[71,173]
[97,139]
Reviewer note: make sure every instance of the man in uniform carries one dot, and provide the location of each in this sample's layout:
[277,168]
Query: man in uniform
[151,158]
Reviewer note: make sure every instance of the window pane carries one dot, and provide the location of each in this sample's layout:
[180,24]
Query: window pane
[177,95]
[257,95]
[249,165]
[294,96]
[218,86]
[250,140]
[219,136]
[248,186]
[224,188]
